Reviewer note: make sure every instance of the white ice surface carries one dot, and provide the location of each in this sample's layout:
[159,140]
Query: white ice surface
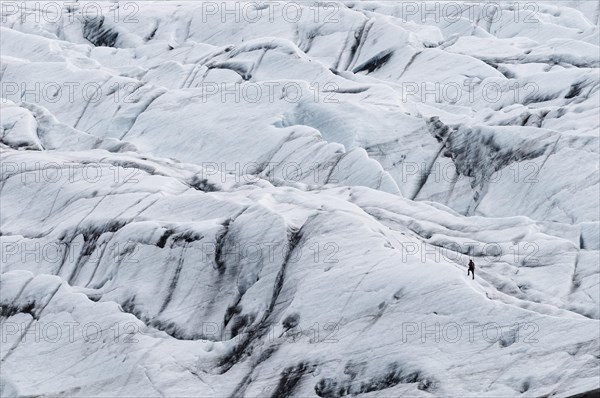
[303,243]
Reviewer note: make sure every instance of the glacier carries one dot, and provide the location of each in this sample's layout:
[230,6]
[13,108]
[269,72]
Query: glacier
[279,199]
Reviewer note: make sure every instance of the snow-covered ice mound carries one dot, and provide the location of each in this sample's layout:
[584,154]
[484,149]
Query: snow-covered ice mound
[246,200]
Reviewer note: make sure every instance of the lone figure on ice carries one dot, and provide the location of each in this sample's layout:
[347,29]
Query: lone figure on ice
[471,268]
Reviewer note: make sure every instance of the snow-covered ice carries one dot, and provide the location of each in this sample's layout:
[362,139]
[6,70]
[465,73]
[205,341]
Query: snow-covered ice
[249,199]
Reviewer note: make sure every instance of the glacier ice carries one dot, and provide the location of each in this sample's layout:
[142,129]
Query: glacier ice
[196,201]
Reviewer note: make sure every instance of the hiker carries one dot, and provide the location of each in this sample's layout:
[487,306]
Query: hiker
[471,268]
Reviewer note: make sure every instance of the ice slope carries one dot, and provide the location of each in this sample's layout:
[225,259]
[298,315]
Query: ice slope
[326,72]
[156,241]
[154,256]
[178,260]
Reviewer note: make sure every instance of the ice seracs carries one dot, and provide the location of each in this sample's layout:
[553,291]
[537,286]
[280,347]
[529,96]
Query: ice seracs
[199,207]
